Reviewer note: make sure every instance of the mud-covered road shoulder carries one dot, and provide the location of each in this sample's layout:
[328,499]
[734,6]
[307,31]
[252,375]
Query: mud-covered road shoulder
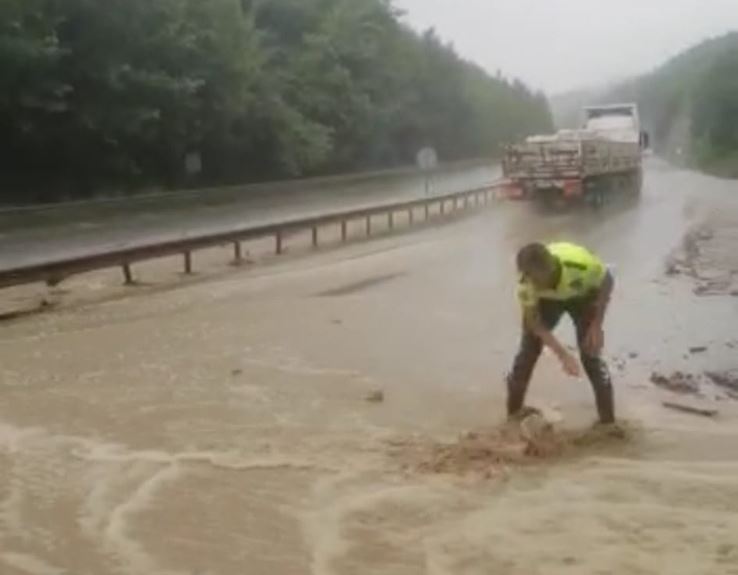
[709,252]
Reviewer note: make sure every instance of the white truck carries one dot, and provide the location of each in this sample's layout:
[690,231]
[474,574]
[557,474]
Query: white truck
[605,155]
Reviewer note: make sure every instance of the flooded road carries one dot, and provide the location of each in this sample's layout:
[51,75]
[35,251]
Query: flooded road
[220,425]
[36,235]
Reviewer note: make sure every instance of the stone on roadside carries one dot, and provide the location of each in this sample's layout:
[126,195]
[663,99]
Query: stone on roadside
[374,396]
[678,382]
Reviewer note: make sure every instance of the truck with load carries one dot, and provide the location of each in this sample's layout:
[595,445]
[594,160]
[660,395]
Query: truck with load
[605,156]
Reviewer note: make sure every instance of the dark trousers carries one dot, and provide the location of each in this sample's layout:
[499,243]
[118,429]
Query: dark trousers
[581,311]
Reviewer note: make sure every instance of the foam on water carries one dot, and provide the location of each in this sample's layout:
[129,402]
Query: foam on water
[117,537]
[29,564]
[116,486]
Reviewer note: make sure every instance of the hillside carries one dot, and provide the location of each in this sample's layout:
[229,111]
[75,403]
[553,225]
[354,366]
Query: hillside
[690,105]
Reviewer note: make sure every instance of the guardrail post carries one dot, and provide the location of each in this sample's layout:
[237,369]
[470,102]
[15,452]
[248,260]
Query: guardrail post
[368,226]
[411,216]
[278,241]
[188,263]
[344,231]
[443,207]
[237,254]
[426,211]
[391,220]
[127,274]
[315,236]
[466,201]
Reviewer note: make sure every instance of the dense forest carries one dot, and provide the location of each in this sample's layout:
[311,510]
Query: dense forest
[689,105]
[120,95]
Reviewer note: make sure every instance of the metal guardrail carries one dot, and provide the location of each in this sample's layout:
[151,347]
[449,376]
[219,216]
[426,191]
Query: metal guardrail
[55,271]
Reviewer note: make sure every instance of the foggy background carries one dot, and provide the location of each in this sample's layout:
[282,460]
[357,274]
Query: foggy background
[562,45]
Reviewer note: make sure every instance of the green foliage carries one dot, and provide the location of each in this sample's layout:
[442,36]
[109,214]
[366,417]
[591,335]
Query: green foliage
[715,115]
[691,104]
[108,94]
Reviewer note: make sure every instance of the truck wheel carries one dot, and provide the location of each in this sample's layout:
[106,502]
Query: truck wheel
[598,199]
[548,198]
[595,194]
[638,183]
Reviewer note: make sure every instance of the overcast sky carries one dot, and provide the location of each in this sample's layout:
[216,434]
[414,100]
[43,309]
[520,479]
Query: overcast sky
[558,45]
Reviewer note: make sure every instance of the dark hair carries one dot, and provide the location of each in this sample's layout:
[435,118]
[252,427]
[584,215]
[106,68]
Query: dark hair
[533,257]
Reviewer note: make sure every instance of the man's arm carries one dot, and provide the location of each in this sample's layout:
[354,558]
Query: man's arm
[533,324]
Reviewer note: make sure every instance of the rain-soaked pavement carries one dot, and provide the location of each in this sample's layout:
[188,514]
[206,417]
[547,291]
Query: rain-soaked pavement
[218,425]
[36,235]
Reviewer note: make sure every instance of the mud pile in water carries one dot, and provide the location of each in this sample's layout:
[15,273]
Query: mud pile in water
[677,382]
[727,380]
[488,453]
[697,384]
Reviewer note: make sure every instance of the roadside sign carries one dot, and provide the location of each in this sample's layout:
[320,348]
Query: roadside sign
[427,160]
[193,164]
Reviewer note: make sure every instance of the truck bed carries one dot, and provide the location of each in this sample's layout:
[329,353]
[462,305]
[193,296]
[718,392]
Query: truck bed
[552,158]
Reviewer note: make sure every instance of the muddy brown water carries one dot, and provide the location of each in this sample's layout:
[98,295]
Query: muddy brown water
[219,425]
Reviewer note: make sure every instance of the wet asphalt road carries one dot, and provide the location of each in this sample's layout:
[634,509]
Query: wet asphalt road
[35,237]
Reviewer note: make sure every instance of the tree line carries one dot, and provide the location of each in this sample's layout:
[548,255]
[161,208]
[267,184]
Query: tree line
[690,105]
[102,95]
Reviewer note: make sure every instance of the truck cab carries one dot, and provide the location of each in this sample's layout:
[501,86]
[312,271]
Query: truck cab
[615,122]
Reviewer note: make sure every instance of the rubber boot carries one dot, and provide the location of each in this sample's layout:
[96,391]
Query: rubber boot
[599,377]
[522,371]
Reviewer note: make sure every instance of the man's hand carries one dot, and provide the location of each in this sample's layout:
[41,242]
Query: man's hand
[594,340]
[570,364]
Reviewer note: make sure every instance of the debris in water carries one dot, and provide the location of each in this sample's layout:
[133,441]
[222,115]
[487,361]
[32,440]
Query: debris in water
[711,278]
[674,267]
[376,396]
[725,379]
[236,372]
[698,349]
[42,307]
[678,382]
[538,434]
[691,409]
[526,411]
[602,433]
[718,286]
